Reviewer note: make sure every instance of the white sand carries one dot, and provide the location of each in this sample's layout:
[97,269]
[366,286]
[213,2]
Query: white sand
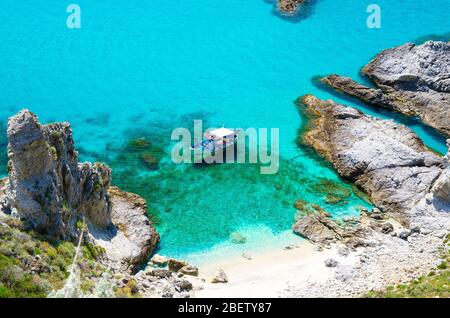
[268,273]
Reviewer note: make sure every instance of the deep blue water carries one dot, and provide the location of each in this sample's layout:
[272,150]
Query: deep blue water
[141,69]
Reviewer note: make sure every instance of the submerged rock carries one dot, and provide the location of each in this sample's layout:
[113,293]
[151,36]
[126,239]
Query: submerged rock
[237,238]
[411,79]
[139,144]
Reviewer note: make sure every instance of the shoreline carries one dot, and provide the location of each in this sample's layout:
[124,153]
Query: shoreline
[301,272]
[267,273]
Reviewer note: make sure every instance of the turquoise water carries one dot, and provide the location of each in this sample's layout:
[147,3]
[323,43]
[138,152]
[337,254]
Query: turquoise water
[138,70]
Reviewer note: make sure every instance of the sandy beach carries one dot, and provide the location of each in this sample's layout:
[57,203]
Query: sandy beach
[269,273]
[301,270]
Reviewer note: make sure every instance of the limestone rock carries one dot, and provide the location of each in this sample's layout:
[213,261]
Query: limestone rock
[183,284]
[159,260]
[411,79]
[318,228]
[189,270]
[52,192]
[132,238]
[175,264]
[385,159]
[441,188]
[161,273]
[220,278]
[386,228]
[46,185]
[345,273]
[404,235]
[331,262]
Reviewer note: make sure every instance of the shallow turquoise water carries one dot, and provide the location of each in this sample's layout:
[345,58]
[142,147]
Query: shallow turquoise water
[141,69]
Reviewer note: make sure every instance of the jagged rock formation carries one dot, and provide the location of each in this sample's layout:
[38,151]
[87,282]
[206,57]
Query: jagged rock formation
[410,79]
[47,186]
[318,228]
[289,6]
[321,229]
[49,189]
[385,159]
[132,238]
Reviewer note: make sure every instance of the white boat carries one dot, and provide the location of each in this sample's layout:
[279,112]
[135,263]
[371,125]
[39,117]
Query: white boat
[217,139]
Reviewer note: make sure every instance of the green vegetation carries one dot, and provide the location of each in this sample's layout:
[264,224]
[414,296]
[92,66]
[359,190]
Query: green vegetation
[14,282]
[54,153]
[130,290]
[434,285]
[56,135]
[32,266]
[81,225]
[98,187]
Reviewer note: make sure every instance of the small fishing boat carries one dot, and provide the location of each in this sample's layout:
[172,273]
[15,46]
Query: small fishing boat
[217,139]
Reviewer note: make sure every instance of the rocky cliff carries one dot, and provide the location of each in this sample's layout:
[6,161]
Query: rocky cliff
[404,237]
[55,194]
[411,79]
[385,159]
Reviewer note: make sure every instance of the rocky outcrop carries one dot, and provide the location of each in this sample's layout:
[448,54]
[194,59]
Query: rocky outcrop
[289,6]
[46,185]
[401,241]
[132,238]
[318,228]
[385,159]
[411,79]
[322,230]
[55,194]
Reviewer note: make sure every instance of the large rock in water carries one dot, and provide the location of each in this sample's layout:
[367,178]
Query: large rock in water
[289,6]
[411,79]
[49,189]
[387,160]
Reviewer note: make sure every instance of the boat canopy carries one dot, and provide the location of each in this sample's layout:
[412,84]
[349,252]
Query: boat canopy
[220,133]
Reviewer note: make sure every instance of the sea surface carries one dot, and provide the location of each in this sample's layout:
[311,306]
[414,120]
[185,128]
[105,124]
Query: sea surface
[137,70]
